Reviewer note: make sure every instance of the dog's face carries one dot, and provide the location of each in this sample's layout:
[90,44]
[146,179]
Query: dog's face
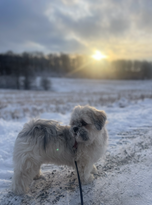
[86,122]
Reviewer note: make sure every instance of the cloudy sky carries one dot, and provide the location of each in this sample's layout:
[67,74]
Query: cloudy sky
[118,28]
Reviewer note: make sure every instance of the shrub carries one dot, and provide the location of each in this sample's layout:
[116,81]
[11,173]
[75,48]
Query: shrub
[45,83]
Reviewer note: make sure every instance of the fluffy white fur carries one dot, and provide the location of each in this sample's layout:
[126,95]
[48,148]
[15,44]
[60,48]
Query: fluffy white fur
[46,141]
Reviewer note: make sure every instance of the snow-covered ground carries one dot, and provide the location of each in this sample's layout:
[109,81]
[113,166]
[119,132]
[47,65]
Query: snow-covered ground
[125,177]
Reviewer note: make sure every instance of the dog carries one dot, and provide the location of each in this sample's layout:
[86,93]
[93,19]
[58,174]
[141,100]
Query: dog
[47,141]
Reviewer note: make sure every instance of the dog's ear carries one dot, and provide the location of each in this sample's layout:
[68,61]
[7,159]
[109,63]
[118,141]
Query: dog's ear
[99,119]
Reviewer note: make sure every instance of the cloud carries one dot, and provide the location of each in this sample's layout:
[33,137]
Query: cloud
[144,18]
[74,25]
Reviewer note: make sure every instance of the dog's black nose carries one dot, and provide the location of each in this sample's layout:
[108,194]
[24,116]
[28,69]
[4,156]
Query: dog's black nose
[75,129]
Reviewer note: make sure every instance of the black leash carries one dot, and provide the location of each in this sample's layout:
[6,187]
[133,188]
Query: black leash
[81,195]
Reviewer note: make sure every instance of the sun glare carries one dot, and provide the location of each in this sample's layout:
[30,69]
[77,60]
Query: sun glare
[98,56]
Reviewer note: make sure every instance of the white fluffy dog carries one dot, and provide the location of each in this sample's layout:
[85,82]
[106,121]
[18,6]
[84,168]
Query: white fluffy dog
[46,141]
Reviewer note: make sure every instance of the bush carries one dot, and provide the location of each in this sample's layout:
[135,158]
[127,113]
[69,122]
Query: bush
[45,83]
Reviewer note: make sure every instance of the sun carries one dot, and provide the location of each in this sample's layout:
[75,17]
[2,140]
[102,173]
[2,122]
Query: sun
[98,56]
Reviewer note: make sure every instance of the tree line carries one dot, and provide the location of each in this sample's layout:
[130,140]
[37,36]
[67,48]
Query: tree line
[20,70]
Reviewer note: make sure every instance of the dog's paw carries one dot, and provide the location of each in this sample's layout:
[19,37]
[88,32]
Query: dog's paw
[36,177]
[94,170]
[89,180]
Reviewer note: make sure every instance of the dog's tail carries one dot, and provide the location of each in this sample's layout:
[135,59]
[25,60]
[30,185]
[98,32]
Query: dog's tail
[39,130]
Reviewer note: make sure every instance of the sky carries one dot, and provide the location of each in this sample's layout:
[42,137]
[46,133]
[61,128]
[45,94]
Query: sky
[120,29]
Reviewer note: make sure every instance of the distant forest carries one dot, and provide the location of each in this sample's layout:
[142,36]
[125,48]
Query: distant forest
[19,71]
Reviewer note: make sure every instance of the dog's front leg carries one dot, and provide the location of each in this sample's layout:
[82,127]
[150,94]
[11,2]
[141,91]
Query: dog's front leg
[80,170]
[88,177]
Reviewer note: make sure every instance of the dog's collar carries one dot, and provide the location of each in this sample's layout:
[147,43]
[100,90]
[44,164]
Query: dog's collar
[75,146]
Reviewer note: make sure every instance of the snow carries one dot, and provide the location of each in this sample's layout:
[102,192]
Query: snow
[124,177]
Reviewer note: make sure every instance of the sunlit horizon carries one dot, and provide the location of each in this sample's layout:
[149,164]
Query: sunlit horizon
[98,55]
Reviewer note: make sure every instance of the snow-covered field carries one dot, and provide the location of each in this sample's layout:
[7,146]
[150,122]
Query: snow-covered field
[125,177]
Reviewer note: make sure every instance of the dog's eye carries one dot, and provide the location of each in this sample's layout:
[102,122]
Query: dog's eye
[83,123]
